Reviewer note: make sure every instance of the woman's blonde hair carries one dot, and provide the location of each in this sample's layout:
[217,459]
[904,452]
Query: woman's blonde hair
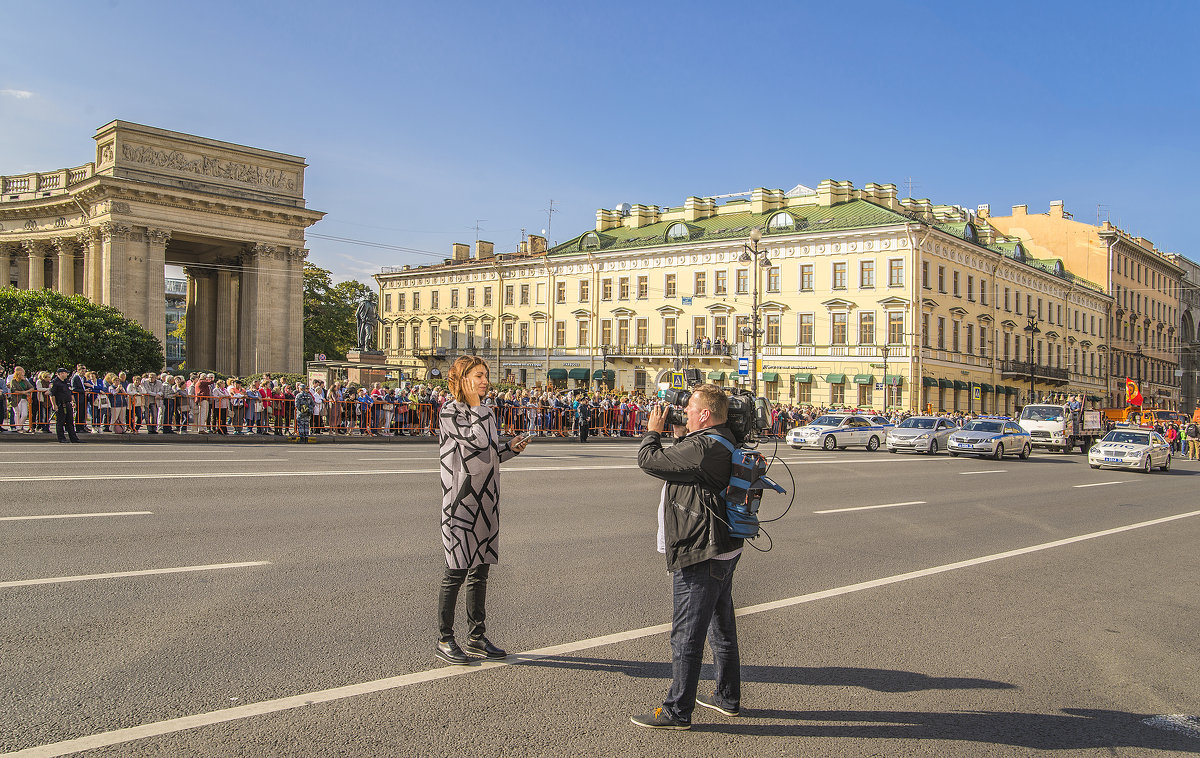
[463,366]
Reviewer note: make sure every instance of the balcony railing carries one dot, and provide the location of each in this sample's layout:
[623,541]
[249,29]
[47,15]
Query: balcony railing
[29,186]
[1013,369]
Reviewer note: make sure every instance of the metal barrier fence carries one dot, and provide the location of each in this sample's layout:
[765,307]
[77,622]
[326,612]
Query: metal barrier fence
[132,413]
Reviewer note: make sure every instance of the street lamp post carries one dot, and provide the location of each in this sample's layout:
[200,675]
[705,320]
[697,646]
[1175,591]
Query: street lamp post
[1032,330]
[1138,362]
[751,253]
[887,388]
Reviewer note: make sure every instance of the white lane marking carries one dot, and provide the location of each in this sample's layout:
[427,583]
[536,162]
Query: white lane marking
[993,471]
[119,574]
[264,474]
[872,507]
[1097,484]
[183,723]
[526,456]
[76,515]
[145,461]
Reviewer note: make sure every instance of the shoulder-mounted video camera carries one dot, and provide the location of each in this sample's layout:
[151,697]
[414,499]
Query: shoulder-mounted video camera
[747,414]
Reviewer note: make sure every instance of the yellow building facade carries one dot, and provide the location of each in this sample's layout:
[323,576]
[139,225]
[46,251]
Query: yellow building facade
[865,300]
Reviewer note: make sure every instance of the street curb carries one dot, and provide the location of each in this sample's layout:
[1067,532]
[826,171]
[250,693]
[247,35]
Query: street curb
[255,439]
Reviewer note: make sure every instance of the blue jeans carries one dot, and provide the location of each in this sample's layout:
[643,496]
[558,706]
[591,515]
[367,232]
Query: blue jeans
[704,608]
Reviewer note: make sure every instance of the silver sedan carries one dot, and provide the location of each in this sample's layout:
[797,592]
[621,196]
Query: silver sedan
[1139,449]
[920,434]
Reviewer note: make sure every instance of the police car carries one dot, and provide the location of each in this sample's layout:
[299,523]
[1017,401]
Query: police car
[1133,448]
[990,437]
[836,431]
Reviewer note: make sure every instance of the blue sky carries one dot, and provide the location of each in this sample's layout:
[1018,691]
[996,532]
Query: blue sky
[418,119]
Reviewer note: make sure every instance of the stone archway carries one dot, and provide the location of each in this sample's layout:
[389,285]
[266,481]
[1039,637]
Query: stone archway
[232,216]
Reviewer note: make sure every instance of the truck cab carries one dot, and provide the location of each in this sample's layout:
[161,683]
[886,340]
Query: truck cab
[1057,427]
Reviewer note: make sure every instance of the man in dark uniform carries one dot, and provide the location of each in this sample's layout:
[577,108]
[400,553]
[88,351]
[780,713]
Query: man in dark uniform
[79,390]
[585,418]
[60,400]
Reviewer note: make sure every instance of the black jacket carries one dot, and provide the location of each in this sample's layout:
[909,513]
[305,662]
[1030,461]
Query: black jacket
[696,470]
[61,393]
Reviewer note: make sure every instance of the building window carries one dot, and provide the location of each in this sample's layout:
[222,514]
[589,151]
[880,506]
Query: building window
[954,337]
[387,339]
[941,334]
[524,294]
[510,294]
[643,287]
[866,274]
[720,327]
[434,297]
[924,330]
[606,331]
[623,288]
[606,289]
[806,277]
[925,274]
[701,284]
[942,279]
[583,290]
[623,331]
[743,281]
[669,330]
[454,298]
[387,303]
[837,394]
[805,335]
[583,334]
[698,330]
[416,301]
[720,283]
[957,292]
[524,333]
[773,279]
[669,285]
[416,336]
[433,336]
[400,301]
[983,291]
[837,332]
[560,292]
[839,276]
[560,333]
[643,331]
[896,273]
[400,335]
[1017,298]
[772,329]
[866,328]
[487,297]
[471,297]
[487,334]
[895,328]
[970,288]
[970,339]
[741,327]
[804,393]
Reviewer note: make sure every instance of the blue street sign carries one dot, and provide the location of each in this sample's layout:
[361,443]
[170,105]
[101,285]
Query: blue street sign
[744,366]
[687,301]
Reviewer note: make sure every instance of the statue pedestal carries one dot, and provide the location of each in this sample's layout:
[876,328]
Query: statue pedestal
[373,368]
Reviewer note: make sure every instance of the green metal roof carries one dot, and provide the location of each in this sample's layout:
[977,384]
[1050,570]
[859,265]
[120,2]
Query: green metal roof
[854,214]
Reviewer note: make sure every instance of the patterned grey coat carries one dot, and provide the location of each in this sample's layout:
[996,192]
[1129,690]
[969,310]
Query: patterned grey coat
[470,468]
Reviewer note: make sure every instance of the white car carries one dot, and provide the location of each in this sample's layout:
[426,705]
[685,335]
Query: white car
[1130,447]
[835,431]
[921,434]
[989,438]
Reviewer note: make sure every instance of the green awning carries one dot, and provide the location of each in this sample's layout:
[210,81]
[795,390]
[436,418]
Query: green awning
[946,384]
[718,375]
[864,378]
[604,375]
[770,376]
[1094,398]
[928,381]
[557,374]
[1011,391]
[985,386]
[835,378]
[802,378]
[578,373]
[959,384]
[894,380]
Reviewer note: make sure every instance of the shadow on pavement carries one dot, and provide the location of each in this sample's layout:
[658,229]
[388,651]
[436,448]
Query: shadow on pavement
[1072,729]
[879,680]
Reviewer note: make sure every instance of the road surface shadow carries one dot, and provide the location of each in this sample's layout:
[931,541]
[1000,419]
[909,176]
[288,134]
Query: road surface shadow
[879,680]
[1072,729]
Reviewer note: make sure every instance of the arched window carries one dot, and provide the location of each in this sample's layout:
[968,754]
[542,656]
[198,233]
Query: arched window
[781,222]
[1019,251]
[969,234]
[591,241]
[678,232]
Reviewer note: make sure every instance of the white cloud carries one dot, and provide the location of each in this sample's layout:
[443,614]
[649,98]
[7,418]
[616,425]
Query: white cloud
[20,94]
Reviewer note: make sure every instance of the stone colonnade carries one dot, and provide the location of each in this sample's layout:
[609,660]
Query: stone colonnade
[244,309]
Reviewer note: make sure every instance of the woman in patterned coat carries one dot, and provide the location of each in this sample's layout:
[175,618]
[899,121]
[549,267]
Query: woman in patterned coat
[471,454]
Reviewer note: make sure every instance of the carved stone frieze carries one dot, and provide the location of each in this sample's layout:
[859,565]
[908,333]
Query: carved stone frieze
[295,234]
[205,165]
[119,206]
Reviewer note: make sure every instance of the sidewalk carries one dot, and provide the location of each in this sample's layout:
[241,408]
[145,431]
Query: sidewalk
[262,439]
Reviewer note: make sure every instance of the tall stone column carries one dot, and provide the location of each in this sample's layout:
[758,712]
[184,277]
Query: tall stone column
[226,343]
[37,251]
[248,312]
[155,283]
[201,319]
[64,250]
[113,273]
[7,249]
[294,359]
[89,242]
[21,259]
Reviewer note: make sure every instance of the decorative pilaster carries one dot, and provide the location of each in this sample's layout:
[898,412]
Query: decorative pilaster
[294,359]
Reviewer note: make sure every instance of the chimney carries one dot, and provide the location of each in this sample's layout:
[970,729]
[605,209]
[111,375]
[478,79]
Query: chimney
[461,252]
[537,244]
[1020,210]
[1056,209]
[606,219]
[983,211]
[484,250]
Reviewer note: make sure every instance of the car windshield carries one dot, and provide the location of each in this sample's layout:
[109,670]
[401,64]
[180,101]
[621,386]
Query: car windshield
[1127,438]
[1042,413]
[917,423]
[828,420]
[984,426]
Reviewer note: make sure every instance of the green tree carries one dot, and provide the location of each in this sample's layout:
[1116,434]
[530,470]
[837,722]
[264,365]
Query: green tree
[329,325]
[42,330]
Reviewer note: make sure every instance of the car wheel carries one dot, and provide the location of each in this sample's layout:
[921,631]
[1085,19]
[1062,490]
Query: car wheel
[873,444]
[1068,444]
[830,443]
[999,453]
[1094,465]
[1025,452]
[1166,464]
[953,453]
[932,447]
[1146,466]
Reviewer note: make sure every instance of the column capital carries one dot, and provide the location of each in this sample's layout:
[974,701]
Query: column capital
[111,231]
[265,250]
[198,272]
[158,236]
[11,248]
[65,245]
[86,236]
[36,247]
[297,253]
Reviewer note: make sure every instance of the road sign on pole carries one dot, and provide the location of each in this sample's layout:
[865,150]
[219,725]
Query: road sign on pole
[744,366]
[676,380]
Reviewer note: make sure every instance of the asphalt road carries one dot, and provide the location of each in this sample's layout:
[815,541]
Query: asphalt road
[993,608]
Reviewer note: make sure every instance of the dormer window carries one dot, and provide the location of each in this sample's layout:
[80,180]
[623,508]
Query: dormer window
[1019,251]
[678,232]
[969,234]
[591,241]
[781,222]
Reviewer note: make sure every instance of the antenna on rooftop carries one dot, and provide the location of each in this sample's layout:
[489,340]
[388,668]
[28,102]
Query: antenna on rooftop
[477,227]
[549,220]
[909,183]
[1101,210]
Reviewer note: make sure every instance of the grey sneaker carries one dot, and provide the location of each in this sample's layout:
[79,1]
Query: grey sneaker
[658,719]
[708,702]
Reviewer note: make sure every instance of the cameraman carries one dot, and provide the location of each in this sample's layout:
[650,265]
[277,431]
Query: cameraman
[700,553]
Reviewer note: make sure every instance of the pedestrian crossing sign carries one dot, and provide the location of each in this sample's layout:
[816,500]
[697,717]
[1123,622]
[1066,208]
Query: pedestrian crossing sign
[676,380]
